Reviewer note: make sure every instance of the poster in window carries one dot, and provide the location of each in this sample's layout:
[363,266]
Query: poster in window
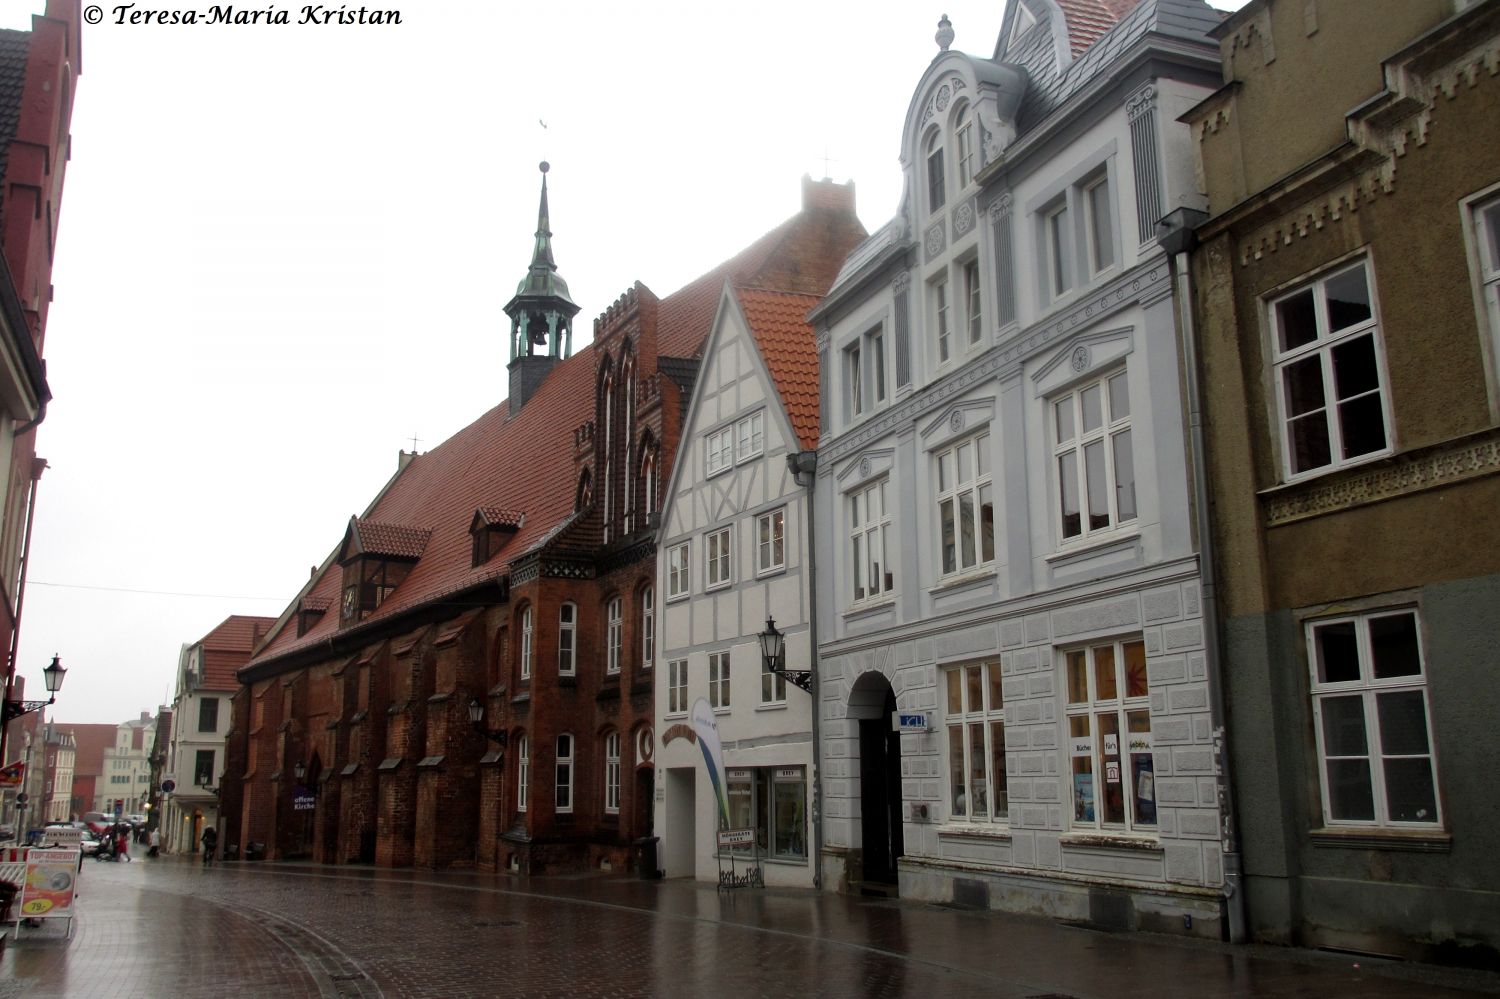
[1083,797]
[1144,774]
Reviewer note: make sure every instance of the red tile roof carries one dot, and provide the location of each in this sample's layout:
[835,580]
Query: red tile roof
[523,463]
[1088,20]
[778,321]
[228,647]
[394,540]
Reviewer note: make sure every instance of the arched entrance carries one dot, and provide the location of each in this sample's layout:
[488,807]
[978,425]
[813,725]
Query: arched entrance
[873,703]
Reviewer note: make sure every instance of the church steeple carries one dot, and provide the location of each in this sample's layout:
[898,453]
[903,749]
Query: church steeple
[541,314]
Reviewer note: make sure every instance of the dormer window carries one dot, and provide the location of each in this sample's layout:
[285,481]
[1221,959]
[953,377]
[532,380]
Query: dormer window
[936,192]
[964,132]
[491,528]
[375,557]
[310,611]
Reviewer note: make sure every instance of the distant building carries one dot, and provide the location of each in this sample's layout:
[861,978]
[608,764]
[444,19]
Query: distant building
[510,570]
[60,749]
[1348,309]
[89,743]
[124,783]
[194,758]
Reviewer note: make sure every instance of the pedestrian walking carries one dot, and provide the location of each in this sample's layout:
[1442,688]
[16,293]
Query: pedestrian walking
[210,842]
[154,839]
[122,842]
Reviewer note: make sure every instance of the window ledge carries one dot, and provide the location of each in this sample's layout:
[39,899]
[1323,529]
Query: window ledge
[726,709]
[776,570]
[861,609]
[771,706]
[674,715]
[1411,840]
[958,581]
[973,830]
[1078,550]
[677,597]
[1106,841]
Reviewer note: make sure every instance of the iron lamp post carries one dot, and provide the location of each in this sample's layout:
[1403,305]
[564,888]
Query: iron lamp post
[773,654]
[53,677]
[476,719]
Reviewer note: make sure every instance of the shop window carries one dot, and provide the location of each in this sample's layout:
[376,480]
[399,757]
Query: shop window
[1329,373]
[773,802]
[975,720]
[1372,720]
[1109,737]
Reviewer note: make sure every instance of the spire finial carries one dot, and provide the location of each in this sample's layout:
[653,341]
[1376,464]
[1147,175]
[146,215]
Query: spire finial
[944,36]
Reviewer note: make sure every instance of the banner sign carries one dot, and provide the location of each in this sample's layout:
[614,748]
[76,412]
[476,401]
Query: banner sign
[303,800]
[911,721]
[707,730]
[13,774]
[731,838]
[51,876]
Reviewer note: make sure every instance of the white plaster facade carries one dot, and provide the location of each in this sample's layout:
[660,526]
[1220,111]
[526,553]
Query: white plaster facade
[195,757]
[127,769]
[1053,215]
[766,728]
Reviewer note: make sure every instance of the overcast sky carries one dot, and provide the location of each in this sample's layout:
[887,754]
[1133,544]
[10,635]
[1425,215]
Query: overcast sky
[283,251]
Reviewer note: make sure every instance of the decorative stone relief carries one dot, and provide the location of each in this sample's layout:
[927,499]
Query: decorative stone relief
[901,282]
[936,240]
[1140,102]
[1000,207]
[963,219]
[956,421]
[1080,358]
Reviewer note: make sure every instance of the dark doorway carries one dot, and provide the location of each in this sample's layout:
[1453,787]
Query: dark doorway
[880,790]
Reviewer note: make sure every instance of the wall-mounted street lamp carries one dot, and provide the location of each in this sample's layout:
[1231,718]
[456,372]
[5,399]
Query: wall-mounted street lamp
[476,719]
[53,677]
[299,770]
[773,653]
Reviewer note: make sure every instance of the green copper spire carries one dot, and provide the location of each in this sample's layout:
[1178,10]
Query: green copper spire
[542,311]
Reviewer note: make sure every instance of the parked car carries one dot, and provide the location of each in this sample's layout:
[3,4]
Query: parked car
[7,831]
[136,819]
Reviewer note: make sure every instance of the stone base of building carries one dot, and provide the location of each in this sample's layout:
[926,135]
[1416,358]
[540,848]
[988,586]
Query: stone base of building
[1100,903]
[517,853]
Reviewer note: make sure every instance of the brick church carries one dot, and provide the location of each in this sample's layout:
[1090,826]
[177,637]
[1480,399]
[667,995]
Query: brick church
[467,679]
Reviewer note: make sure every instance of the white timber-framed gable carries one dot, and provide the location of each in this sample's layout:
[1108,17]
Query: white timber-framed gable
[708,636]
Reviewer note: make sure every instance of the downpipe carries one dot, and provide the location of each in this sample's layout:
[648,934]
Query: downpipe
[804,467]
[1177,237]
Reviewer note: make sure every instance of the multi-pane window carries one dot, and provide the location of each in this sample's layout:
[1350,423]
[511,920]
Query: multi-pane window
[1370,712]
[677,670]
[716,554]
[1109,736]
[854,379]
[208,714]
[936,192]
[1093,457]
[770,541]
[875,348]
[567,639]
[1487,233]
[869,539]
[966,505]
[1057,249]
[718,680]
[614,640]
[648,481]
[1327,356]
[773,802]
[976,743]
[203,768]
[564,783]
[1100,230]
[750,436]
[648,627]
[719,448]
[942,319]
[612,773]
[526,644]
[973,317]
[677,570]
[964,132]
[523,773]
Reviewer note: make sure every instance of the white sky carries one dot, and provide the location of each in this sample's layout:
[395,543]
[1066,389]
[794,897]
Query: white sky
[283,251]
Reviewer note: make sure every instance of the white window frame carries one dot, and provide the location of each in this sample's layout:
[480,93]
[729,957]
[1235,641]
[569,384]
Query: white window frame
[648,627]
[612,773]
[867,528]
[854,379]
[527,621]
[1099,224]
[1369,689]
[718,681]
[1057,249]
[567,638]
[1112,433]
[770,542]
[1322,348]
[772,685]
[875,352]
[942,319]
[964,471]
[523,772]
[750,436]
[963,140]
[973,303]
[677,686]
[718,451]
[679,582]
[937,191]
[1093,746]
[1481,220]
[718,559]
[978,790]
[563,769]
[614,613]
[648,476]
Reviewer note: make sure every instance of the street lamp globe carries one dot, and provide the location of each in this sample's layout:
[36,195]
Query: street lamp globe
[53,675]
[476,711]
[772,645]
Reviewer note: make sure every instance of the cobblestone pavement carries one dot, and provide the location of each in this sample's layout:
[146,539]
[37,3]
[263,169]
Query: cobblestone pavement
[170,928]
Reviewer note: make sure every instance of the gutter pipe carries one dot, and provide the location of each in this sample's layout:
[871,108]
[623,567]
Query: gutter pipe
[804,466]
